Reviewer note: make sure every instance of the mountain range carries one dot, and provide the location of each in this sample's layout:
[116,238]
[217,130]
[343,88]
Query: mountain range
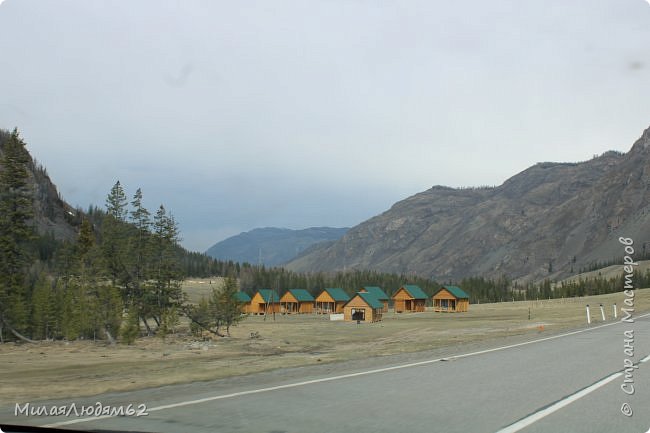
[272,246]
[546,222]
[549,221]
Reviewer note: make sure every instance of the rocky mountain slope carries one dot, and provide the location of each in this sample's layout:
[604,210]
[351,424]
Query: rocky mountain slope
[545,222]
[273,246]
[52,215]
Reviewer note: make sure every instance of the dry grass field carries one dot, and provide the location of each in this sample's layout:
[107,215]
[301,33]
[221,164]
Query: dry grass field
[81,368]
[196,288]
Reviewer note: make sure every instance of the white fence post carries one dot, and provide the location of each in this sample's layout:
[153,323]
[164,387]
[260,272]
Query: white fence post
[588,316]
[615,311]
[602,312]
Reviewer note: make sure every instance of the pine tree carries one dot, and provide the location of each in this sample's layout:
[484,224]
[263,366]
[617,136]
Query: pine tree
[169,321]
[43,309]
[140,254]
[140,218]
[201,316]
[86,239]
[220,310]
[109,310]
[70,310]
[116,202]
[114,236]
[100,304]
[166,276]
[130,327]
[228,308]
[57,307]
[16,212]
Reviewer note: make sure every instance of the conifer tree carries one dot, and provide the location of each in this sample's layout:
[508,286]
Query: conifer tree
[130,327]
[140,254]
[201,316]
[16,212]
[166,276]
[100,304]
[220,310]
[70,309]
[114,235]
[43,309]
[141,219]
[116,202]
[169,320]
[86,239]
[109,310]
[227,306]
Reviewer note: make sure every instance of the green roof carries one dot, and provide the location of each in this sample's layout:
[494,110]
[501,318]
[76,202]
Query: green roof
[371,300]
[415,291]
[242,297]
[267,294]
[456,291]
[302,295]
[376,292]
[338,294]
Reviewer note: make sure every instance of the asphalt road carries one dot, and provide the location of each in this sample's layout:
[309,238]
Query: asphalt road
[565,383]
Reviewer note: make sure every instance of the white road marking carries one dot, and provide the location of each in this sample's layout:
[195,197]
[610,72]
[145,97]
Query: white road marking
[523,423]
[343,376]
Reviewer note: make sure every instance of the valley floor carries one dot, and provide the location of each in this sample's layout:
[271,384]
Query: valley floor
[57,370]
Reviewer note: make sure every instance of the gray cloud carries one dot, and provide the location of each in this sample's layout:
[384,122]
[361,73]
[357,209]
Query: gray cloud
[245,114]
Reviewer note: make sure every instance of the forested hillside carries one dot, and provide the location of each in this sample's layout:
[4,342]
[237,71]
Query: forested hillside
[114,272]
[68,273]
[117,272]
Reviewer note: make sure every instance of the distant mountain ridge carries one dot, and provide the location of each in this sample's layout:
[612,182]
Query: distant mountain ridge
[545,222]
[272,246]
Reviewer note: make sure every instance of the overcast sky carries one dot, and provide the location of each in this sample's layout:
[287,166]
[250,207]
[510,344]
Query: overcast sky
[239,114]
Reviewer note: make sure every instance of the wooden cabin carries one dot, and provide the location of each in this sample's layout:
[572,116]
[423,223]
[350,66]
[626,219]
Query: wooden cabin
[331,300]
[450,299]
[297,301]
[363,307]
[265,301]
[245,301]
[409,299]
[377,293]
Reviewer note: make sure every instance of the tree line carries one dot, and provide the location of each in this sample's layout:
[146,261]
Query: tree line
[503,289]
[122,272]
[121,276]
